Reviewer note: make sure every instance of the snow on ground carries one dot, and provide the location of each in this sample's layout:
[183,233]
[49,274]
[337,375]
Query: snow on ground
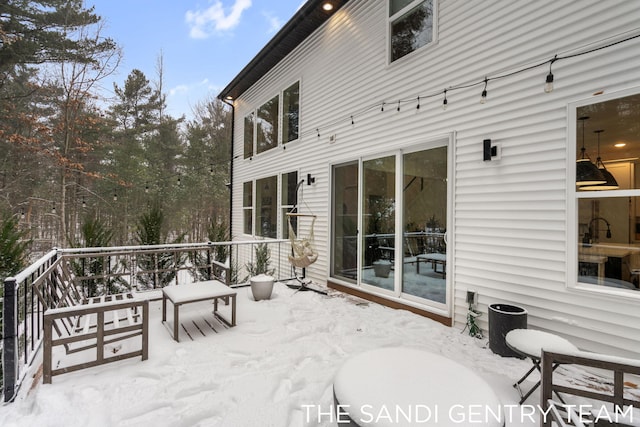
[275,368]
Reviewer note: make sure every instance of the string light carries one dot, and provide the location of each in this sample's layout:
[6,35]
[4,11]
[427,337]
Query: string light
[548,85]
[352,122]
[444,101]
[115,196]
[53,208]
[22,213]
[179,181]
[146,187]
[497,77]
[398,109]
[84,202]
[483,97]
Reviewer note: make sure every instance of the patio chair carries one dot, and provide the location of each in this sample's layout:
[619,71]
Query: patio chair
[610,391]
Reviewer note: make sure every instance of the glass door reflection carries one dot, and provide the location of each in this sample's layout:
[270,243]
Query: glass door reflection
[379,213]
[424,266]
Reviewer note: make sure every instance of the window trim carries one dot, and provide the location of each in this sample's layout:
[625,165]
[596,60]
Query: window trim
[406,9]
[573,197]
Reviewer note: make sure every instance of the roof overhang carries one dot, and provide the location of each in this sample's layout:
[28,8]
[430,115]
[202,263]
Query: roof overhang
[306,20]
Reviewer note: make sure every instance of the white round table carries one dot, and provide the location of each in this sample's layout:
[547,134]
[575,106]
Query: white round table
[409,387]
[529,343]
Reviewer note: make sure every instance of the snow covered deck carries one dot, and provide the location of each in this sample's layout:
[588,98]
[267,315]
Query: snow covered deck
[275,368]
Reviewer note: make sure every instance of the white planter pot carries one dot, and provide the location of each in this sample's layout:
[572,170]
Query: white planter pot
[261,286]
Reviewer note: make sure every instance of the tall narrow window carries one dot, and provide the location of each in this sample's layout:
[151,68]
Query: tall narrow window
[267,125]
[266,207]
[411,26]
[289,201]
[247,207]
[290,112]
[248,136]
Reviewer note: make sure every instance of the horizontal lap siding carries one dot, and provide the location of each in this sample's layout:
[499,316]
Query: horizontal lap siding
[510,216]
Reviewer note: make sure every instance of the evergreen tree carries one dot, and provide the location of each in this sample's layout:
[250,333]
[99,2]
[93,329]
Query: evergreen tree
[40,31]
[158,266]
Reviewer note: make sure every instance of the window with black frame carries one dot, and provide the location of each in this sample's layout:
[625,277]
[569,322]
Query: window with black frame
[411,26]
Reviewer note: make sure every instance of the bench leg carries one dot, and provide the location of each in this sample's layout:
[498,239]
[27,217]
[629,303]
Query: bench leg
[233,310]
[176,321]
[164,308]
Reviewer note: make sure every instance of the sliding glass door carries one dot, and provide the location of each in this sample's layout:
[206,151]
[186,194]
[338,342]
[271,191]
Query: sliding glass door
[344,237]
[389,218]
[378,222]
[424,210]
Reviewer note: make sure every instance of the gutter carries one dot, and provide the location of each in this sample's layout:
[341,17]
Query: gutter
[230,186]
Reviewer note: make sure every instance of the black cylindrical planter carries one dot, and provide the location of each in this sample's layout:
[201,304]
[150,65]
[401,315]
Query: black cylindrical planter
[502,319]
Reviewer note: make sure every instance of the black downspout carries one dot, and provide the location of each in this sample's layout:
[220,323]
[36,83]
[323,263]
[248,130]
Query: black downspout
[233,122]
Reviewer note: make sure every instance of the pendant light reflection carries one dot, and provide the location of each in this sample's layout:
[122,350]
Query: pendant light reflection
[586,172]
[611,183]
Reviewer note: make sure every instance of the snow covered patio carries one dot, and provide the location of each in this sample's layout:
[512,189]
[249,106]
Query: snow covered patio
[275,368]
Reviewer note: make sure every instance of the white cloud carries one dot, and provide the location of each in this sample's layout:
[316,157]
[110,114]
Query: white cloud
[275,23]
[215,19]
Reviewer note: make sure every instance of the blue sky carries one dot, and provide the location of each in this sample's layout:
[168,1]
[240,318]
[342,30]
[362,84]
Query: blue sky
[204,43]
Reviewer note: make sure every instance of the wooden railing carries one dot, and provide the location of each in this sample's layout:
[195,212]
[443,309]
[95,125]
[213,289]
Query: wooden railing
[612,393]
[107,271]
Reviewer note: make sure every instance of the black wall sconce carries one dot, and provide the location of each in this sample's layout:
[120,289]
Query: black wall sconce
[489,151]
[310,179]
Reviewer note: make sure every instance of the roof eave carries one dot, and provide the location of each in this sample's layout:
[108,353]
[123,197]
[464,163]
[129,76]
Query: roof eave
[306,20]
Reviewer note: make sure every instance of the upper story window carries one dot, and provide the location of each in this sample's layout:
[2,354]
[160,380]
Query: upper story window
[608,193]
[411,26]
[248,136]
[267,125]
[262,127]
[290,112]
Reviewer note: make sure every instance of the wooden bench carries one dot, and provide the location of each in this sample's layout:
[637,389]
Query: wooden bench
[81,324]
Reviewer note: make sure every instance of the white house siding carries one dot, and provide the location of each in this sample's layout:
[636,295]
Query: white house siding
[511,223]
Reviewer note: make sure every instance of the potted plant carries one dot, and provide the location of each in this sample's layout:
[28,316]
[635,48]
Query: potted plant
[382,267]
[260,275]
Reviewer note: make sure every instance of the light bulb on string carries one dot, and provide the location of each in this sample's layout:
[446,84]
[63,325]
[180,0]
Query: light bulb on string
[115,196]
[382,108]
[84,202]
[22,213]
[483,97]
[398,109]
[53,208]
[146,187]
[418,104]
[444,101]
[548,85]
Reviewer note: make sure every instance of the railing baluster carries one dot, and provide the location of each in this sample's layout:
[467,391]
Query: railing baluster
[10,339]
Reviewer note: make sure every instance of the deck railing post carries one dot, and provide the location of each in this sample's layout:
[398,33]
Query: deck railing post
[10,338]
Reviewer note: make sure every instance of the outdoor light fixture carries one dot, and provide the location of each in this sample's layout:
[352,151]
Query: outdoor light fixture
[310,179]
[327,6]
[586,172]
[610,182]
